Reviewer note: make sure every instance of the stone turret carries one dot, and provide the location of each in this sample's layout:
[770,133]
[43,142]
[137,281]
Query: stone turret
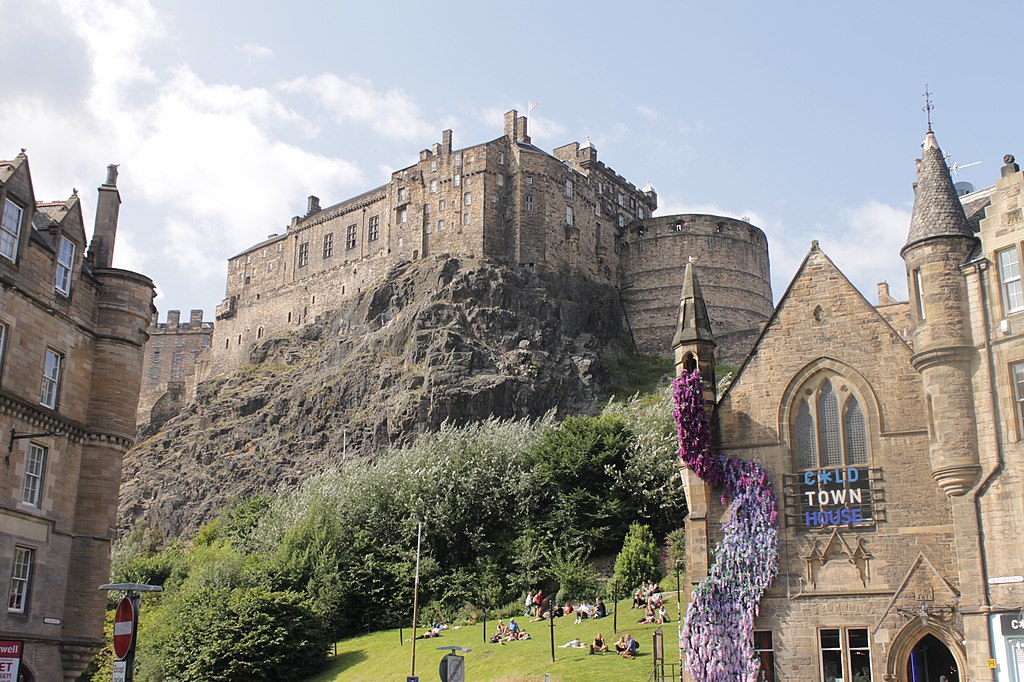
[939,242]
[693,345]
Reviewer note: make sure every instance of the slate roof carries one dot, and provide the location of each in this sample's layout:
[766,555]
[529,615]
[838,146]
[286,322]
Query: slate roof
[937,208]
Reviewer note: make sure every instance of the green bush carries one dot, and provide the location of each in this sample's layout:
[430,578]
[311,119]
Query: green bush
[638,560]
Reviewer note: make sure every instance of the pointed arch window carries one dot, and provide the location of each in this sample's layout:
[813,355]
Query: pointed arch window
[829,428]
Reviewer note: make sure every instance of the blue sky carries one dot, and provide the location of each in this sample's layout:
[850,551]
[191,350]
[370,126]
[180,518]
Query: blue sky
[804,117]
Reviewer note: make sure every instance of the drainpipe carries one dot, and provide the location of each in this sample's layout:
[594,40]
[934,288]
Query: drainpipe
[980,269]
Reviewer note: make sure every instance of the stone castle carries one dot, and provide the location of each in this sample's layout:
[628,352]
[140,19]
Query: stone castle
[505,200]
[897,459]
[72,333]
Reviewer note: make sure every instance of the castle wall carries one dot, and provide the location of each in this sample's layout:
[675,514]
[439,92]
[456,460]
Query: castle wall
[169,365]
[731,257]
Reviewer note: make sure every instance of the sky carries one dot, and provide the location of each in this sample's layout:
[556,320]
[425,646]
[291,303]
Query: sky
[224,115]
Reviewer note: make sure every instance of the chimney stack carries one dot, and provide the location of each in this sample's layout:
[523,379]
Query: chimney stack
[446,141]
[195,319]
[173,317]
[101,249]
[312,205]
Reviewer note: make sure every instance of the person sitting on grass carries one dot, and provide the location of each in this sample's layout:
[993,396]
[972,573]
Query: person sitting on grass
[599,646]
[620,645]
[648,616]
[632,646]
[501,633]
[513,627]
[638,599]
[662,615]
[600,610]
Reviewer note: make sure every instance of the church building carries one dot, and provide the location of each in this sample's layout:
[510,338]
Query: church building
[897,460]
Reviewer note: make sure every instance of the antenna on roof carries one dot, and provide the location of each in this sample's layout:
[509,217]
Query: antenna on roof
[928,106]
[955,167]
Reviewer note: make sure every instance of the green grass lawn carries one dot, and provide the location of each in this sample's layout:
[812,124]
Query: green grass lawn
[380,657]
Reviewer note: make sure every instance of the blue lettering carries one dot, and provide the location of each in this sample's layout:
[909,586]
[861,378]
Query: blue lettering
[809,518]
[852,475]
[846,516]
[825,476]
[808,478]
[856,513]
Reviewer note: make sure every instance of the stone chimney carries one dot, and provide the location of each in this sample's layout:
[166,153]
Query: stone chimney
[173,317]
[312,205]
[195,319]
[521,135]
[883,294]
[510,124]
[446,141]
[101,249]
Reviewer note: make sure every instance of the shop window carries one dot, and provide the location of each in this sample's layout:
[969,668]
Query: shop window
[844,654]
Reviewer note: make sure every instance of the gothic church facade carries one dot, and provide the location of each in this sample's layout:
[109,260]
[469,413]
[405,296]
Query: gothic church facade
[898,463]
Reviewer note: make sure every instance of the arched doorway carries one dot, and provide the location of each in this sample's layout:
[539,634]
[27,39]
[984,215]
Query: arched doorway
[25,675]
[929,659]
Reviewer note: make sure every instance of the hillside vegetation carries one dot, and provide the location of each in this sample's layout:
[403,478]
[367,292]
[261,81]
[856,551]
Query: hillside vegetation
[505,506]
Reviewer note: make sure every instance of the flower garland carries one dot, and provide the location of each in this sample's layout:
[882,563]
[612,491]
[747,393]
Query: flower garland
[719,628]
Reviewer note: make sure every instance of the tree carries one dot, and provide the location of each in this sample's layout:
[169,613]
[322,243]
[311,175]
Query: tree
[638,560]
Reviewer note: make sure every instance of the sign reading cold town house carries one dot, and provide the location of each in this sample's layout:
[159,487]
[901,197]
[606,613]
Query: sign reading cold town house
[840,496]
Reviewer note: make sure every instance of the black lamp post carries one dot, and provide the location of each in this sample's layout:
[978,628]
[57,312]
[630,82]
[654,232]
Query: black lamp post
[19,436]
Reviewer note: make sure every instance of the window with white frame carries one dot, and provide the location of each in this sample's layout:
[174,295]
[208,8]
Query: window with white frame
[457,180]
[844,654]
[467,199]
[428,228]
[829,426]
[10,229]
[440,225]
[65,265]
[21,578]
[328,245]
[52,364]
[403,215]
[528,202]
[569,216]
[433,164]
[32,490]
[433,186]
[373,228]
[1017,374]
[442,205]
[403,194]
[350,237]
[4,333]
[501,180]
[303,254]
[568,189]
[1009,280]
[501,157]
[458,158]
[465,218]
[918,293]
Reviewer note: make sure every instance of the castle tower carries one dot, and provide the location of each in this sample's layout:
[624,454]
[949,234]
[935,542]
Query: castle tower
[693,346]
[939,242]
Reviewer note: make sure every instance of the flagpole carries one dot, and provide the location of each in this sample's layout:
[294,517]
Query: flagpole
[416,597]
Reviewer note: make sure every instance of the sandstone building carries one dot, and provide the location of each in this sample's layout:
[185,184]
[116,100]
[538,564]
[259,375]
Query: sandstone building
[169,367]
[508,201]
[72,332]
[898,463]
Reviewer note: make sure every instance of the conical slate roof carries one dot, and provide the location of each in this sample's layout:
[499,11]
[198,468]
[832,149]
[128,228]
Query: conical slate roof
[694,324]
[937,208]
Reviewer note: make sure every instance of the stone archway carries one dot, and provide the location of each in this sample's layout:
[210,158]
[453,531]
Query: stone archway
[922,652]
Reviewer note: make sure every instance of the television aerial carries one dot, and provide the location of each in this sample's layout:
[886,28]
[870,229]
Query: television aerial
[955,167]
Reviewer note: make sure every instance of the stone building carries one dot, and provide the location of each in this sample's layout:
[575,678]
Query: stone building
[898,463]
[505,200]
[72,333]
[173,353]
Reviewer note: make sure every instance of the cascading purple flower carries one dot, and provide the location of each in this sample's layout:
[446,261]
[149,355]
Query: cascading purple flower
[719,629]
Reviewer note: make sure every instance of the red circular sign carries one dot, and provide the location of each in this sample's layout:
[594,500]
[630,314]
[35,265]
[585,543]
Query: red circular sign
[124,628]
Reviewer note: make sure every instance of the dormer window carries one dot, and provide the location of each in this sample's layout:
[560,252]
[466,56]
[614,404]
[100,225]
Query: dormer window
[10,229]
[65,266]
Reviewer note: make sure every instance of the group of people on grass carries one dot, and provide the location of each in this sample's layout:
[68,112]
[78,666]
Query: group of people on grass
[508,633]
[648,598]
[542,608]
[626,646]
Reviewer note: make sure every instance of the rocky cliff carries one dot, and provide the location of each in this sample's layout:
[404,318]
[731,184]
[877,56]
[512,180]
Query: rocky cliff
[438,339]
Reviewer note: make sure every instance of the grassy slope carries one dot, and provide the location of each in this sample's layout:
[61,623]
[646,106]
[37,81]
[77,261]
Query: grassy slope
[378,657]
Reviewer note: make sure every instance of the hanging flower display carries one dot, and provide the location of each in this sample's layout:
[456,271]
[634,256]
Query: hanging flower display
[719,628]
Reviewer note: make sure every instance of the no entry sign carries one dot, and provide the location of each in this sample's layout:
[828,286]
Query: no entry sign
[124,628]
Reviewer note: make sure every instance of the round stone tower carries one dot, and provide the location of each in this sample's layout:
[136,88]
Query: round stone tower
[939,242]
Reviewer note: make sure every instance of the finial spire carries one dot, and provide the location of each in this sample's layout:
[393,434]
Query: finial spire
[928,106]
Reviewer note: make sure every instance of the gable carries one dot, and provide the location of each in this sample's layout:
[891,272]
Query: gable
[821,323]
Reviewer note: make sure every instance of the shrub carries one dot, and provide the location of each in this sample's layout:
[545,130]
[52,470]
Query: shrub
[638,560]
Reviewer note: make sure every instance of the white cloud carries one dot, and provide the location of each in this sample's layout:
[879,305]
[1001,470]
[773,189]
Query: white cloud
[392,114]
[253,51]
[650,113]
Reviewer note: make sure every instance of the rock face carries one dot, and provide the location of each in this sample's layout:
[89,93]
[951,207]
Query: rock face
[439,339]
